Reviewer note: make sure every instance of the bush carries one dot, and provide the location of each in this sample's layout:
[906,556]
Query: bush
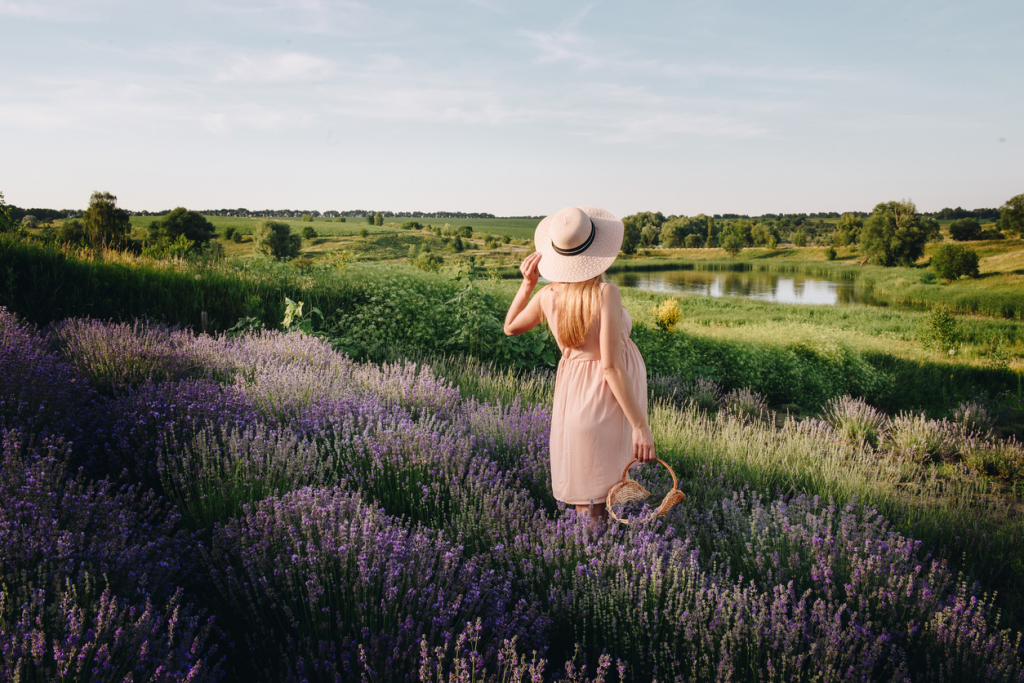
[953,261]
[429,262]
[181,222]
[412,225]
[71,232]
[830,254]
[236,237]
[704,394]
[965,229]
[693,242]
[364,233]
[922,439]
[229,232]
[743,405]
[940,330]
[667,315]
[307,218]
[274,238]
[309,233]
[340,219]
[856,420]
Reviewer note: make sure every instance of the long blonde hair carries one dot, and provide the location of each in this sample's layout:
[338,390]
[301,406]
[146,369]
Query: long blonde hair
[578,306]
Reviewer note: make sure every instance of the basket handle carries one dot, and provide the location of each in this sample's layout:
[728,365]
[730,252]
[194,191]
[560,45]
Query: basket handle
[675,481]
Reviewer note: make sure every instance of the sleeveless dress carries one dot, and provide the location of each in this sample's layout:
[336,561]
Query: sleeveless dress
[591,438]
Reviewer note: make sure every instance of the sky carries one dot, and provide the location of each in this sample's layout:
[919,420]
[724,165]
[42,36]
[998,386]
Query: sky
[512,107]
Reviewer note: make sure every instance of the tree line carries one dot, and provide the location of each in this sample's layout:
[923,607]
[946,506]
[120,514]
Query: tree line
[894,233]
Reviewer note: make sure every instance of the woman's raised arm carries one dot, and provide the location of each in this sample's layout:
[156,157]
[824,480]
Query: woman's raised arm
[524,314]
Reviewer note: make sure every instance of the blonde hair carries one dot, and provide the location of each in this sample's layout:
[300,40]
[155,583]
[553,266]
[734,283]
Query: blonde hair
[578,306]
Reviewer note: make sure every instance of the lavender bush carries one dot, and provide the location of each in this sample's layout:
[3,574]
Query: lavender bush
[88,578]
[743,405]
[856,420]
[351,521]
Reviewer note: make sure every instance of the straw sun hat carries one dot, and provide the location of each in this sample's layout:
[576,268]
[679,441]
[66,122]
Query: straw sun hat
[577,243]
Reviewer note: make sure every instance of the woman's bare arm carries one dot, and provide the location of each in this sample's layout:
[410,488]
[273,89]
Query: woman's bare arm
[615,374]
[525,314]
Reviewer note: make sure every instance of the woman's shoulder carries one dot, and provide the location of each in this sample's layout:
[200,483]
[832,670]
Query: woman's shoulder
[610,288]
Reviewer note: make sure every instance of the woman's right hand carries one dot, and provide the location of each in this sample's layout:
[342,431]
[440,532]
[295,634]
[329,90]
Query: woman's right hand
[530,268]
[643,444]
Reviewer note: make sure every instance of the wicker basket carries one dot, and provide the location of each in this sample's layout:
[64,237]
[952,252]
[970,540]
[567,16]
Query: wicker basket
[630,491]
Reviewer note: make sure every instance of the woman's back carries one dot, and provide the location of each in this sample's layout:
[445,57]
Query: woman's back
[590,349]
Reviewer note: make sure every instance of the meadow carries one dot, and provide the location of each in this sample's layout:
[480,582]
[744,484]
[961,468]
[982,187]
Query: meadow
[261,507]
[362,493]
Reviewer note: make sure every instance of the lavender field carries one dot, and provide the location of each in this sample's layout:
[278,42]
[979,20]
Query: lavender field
[181,507]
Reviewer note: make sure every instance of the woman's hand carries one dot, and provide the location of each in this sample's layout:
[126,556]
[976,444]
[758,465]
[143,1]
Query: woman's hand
[530,268]
[643,444]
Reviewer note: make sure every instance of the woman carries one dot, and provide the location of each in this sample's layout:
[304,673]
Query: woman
[599,419]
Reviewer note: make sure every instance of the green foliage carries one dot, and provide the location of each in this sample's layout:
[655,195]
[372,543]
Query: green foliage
[457,244]
[364,233]
[940,331]
[800,238]
[309,233]
[953,261]
[1011,215]
[848,229]
[965,229]
[465,231]
[830,254]
[29,222]
[181,222]
[6,222]
[764,235]
[294,321]
[72,232]
[179,247]
[894,234]
[641,228]
[275,238]
[693,242]
[378,218]
[429,262]
[735,236]
[667,315]
[105,224]
[236,237]
[369,218]
[307,218]
[410,225]
[229,232]
[339,219]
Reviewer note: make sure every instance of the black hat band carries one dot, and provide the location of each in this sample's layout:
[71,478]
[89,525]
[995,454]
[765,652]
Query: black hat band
[580,249]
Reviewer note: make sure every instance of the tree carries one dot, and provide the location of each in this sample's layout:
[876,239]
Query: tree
[274,238]
[466,231]
[965,229]
[71,232]
[952,261]
[364,233]
[1011,215]
[800,238]
[847,230]
[105,224]
[193,225]
[378,218]
[6,222]
[693,242]
[894,235]
[735,236]
[633,234]
[457,245]
[307,218]
[932,229]
[764,235]
[309,233]
[29,222]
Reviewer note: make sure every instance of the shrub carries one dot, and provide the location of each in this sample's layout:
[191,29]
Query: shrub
[830,254]
[743,405]
[667,315]
[307,218]
[704,394]
[856,420]
[974,416]
[411,225]
[229,232]
[192,225]
[965,229]
[236,237]
[693,242]
[429,262]
[364,233]
[309,233]
[940,330]
[953,261]
[274,238]
[924,439]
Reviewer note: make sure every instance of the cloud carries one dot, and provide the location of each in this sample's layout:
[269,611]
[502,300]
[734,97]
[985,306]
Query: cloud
[275,68]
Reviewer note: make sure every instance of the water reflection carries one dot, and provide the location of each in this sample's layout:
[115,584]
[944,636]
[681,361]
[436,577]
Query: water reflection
[788,289]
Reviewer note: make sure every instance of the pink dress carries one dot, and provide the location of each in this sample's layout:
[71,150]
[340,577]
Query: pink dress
[591,439]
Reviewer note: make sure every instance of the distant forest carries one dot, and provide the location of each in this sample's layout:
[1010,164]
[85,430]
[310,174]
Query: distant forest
[48,215]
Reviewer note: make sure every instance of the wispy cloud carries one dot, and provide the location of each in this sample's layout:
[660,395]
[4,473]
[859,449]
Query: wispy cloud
[275,68]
